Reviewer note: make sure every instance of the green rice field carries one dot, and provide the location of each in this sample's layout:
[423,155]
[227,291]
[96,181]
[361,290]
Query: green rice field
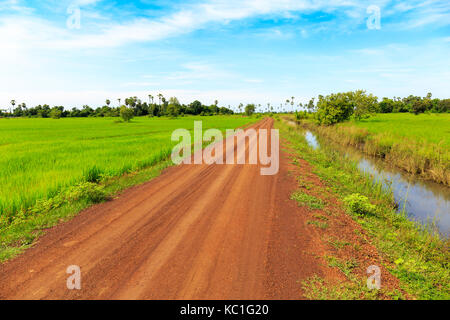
[431,128]
[41,156]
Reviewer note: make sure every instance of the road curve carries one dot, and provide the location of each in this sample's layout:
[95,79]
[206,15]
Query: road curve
[195,232]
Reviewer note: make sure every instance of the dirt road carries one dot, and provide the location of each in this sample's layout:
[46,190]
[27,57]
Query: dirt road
[195,232]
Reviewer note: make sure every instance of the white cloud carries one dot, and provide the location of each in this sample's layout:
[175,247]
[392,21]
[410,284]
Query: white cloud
[190,18]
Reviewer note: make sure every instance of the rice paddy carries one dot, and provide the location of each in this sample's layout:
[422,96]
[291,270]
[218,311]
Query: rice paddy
[39,157]
[417,144]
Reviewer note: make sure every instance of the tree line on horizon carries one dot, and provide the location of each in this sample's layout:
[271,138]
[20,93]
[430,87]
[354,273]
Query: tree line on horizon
[328,109]
[137,107]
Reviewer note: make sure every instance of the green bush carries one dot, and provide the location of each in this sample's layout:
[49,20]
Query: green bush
[86,190]
[126,113]
[359,204]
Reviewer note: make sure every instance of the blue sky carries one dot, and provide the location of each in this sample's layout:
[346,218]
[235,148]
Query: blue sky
[245,51]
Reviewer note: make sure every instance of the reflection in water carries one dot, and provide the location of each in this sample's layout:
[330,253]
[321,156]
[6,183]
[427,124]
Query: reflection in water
[426,201]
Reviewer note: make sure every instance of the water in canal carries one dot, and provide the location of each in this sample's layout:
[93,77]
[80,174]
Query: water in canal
[423,201]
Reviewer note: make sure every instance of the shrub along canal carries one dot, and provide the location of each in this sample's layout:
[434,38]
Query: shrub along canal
[424,201]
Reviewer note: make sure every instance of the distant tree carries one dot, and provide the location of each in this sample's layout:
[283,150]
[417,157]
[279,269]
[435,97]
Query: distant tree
[249,109]
[311,107]
[55,113]
[418,106]
[195,107]
[443,105]
[126,113]
[108,102]
[160,97]
[386,105]
[174,107]
[13,103]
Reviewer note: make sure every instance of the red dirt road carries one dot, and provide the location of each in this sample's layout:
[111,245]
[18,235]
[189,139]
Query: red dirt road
[195,232]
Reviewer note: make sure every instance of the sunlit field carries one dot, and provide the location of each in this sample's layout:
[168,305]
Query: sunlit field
[418,144]
[41,156]
[432,127]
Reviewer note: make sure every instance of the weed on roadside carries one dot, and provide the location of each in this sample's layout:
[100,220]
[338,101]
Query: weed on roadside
[306,200]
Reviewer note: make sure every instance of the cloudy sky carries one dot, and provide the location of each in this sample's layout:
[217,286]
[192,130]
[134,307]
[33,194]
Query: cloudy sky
[232,50]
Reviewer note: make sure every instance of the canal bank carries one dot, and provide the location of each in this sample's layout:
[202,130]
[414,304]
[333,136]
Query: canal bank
[421,200]
[416,256]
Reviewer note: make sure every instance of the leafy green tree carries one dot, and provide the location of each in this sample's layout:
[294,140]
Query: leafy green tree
[55,113]
[174,107]
[364,104]
[418,106]
[386,105]
[443,105]
[334,108]
[195,107]
[249,109]
[126,113]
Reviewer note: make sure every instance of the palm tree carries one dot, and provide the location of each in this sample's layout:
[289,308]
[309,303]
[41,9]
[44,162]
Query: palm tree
[150,98]
[159,98]
[108,102]
[119,101]
[13,103]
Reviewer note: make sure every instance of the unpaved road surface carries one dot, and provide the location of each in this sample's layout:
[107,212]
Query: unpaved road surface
[195,232]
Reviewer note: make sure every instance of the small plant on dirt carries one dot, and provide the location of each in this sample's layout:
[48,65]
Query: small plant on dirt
[338,244]
[321,225]
[304,199]
[346,266]
[359,204]
[302,183]
[316,288]
[321,217]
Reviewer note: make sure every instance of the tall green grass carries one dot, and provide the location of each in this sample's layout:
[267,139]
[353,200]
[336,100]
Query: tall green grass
[432,128]
[40,157]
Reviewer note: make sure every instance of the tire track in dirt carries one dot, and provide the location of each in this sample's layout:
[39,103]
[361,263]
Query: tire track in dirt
[195,232]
